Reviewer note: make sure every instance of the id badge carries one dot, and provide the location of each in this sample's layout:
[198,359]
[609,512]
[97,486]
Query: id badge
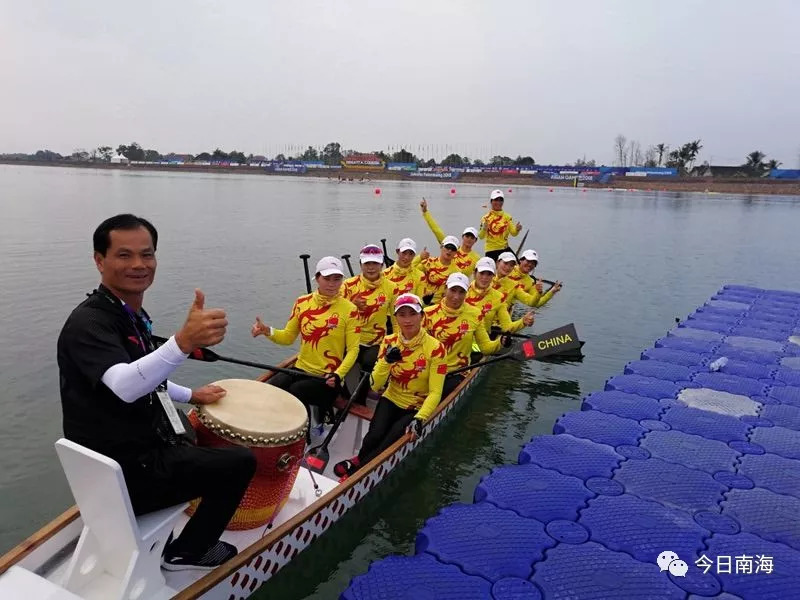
[171,412]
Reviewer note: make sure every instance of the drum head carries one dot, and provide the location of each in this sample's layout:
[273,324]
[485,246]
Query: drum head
[256,413]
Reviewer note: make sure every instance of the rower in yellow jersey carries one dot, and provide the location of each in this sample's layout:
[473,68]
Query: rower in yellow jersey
[435,270]
[522,274]
[489,301]
[511,290]
[373,296]
[457,325]
[411,366]
[329,331]
[496,226]
[403,275]
[465,257]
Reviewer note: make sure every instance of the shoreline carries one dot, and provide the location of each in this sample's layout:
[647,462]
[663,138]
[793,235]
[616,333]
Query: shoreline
[740,186]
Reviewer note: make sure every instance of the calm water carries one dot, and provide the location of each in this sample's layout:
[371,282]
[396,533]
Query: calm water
[631,262]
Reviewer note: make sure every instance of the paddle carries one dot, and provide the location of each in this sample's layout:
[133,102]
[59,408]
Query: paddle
[521,244]
[206,355]
[304,258]
[318,457]
[346,258]
[386,260]
[556,341]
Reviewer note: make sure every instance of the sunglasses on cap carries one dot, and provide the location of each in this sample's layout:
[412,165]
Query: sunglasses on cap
[450,247]
[372,250]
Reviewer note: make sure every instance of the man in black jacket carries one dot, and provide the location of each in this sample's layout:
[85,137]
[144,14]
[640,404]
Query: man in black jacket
[117,399]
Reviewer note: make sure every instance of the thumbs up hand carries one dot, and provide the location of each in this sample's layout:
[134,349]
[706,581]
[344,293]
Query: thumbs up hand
[203,326]
[259,328]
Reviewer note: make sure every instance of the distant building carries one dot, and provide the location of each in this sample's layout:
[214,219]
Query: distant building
[119,159]
[719,171]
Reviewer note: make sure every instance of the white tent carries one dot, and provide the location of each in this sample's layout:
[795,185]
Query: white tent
[119,159]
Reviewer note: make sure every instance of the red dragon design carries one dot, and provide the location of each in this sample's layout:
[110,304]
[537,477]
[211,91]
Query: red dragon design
[309,330]
[496,224]
[436,273]
[333,361]
[462,260]
[404,376]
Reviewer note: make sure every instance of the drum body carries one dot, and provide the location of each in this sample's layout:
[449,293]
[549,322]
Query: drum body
[269,421]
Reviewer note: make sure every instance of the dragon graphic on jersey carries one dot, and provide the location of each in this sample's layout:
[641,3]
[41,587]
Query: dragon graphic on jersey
[435,275]
[310,331]
[496,224]
[333,361]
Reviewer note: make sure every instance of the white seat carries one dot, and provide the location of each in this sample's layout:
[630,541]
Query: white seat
[114,541]
[20,584]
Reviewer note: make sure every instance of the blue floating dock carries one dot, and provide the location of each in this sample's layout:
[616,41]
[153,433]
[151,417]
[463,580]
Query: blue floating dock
[682,452]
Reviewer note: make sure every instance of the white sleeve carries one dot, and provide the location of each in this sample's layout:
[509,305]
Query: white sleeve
[178,393]
[131,381]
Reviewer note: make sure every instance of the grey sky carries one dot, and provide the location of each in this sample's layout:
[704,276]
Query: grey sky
[555,80]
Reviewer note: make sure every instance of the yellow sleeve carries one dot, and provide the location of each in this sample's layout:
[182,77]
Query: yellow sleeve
[435,386]
[352,339]
[486,345]
[546,297]
[417,262]
[512,227]
[437,231]
[380,373]
[482,228]
[288,334]
[531,299]
[505,322]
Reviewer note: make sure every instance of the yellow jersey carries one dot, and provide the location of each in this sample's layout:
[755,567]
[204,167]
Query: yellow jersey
[329,334]
[417,379]
[434,276]
[527,284]
[404,280]
[379,296]
[512,292]
[492,309]
[496,226]
[465,261]
[457,330]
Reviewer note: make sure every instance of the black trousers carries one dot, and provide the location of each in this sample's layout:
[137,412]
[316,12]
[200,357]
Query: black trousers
[367,357]
[311,392]
[387,426]
[451,382]
[495,254]
[173,474]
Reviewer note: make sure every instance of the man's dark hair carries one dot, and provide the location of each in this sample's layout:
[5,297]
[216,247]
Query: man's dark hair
[127,222]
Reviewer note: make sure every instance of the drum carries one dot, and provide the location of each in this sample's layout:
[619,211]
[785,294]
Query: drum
[272,423]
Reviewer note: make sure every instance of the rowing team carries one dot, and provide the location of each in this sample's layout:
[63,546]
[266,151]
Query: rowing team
[379,320]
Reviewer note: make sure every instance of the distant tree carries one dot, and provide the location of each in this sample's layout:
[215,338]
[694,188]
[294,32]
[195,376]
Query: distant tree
[219,155]
[152,155]
[383,156]
[203,157]
[650,157]
[499,161]
[332,153]
[621,150]
[683,158]
[310,154]
[404,156]
[635,157]
[466,161]
[661,149]
[104,153]
[582,162]
[80,155]
[524,161]
[694,150]
[132,152]
[755,163]
[772,164]
[429,163]
[47,155]
[452,160]
[478,163]
[238,157]
[280,158]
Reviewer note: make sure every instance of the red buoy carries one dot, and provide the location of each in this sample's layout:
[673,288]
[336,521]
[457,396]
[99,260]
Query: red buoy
[377,191]
[509,190]
[453,191]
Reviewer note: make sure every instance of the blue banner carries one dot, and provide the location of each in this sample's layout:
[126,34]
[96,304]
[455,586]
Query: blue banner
[401,167]
[652,171]
[434,174]
[784,174]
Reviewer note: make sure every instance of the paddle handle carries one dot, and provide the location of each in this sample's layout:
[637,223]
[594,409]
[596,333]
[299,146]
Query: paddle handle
[482,363]
[386,260]
[248,363]
[304,258]
[346,259]
[340,417]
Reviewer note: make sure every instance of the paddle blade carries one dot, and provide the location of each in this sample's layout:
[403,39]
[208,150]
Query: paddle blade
[562,340]
[317,460]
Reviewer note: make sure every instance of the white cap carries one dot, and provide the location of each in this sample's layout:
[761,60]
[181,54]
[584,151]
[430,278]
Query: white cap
[507,257]
[496,194]
[407,244]
[471,230]
[411,300]
[329,265]
[371,253]
[530,255]
[485,264]
[451,239]
[458,279]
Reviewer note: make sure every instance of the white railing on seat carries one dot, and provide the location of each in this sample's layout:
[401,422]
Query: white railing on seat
[114,541]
